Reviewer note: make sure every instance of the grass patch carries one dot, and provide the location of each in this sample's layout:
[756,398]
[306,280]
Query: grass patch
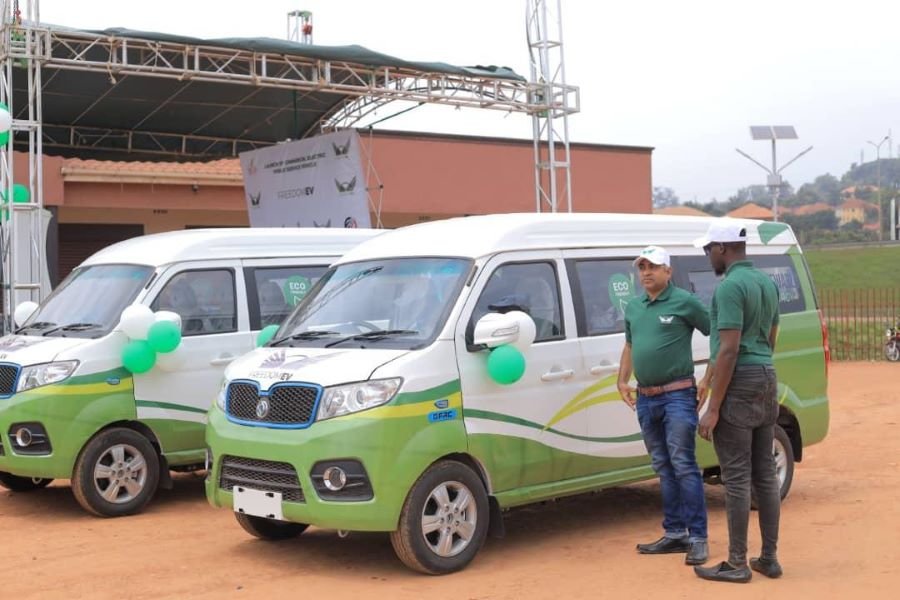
[848,268]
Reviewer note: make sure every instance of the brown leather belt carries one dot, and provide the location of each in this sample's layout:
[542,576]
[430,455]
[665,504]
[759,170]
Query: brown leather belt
[672,386]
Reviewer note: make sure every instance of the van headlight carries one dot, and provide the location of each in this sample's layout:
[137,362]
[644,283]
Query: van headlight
[222,395]
[45,374]
[345,399]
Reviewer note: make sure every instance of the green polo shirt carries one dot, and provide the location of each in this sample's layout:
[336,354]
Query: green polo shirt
[660,333]
[746,299]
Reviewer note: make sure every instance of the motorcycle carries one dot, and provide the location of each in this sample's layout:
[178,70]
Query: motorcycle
[892,344]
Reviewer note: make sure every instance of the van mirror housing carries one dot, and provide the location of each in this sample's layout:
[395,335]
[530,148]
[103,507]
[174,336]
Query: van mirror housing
[496,329]
[24,311]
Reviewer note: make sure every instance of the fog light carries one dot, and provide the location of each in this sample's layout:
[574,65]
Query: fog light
[334,478]
[23,437]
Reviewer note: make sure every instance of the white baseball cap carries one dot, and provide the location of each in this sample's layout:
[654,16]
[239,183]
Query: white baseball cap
[655,254]
[723,231]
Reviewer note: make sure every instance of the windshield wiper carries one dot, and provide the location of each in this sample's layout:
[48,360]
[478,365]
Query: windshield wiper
[38,325]
[309,334]
[373,335]
[72,327]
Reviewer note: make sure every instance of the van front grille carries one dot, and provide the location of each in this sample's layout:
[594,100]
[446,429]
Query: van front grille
[9,374]
[262,475]
[285,405]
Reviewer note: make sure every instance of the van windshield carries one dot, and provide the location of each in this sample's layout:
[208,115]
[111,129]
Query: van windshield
[89,302]
[397,303]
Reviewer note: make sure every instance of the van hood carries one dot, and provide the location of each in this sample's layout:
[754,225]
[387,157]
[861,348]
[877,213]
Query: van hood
[321,366]
[27,350]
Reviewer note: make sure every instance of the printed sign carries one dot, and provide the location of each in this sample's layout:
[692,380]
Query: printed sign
[296,288]
[314,182]
[621,291]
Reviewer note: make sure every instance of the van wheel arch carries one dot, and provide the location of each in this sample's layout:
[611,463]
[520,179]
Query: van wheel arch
[788,421]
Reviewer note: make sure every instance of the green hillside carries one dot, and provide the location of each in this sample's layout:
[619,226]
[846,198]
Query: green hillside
[846,268]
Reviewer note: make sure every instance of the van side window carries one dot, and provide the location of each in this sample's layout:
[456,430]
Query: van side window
[273,292]
[601,289]
[780,268]
[530,287]
[205,299]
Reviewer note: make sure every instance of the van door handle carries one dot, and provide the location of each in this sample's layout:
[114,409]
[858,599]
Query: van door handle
[557,375]
[223,359]
[601,369]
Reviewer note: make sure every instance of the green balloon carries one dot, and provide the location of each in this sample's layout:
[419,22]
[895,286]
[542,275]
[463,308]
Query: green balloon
[267,333]
[4,138]
[506,364]
[21,193]
[138,356]
[164,336]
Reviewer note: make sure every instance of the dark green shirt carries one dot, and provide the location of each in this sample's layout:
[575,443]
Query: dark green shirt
[660,333]
[746,299]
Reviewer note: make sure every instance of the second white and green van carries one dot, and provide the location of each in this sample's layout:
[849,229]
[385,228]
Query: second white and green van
[385,402]
[69,407]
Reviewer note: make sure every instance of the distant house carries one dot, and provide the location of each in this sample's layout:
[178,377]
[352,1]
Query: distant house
[853,209]
[752,211]
[811,209]
[683,211]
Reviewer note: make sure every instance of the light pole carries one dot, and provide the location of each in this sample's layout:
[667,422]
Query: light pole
[774,181]
[878,185]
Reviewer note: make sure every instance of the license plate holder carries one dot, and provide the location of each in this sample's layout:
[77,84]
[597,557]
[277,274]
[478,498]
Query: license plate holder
[257,503]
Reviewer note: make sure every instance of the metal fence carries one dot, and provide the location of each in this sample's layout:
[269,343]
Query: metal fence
[857,320]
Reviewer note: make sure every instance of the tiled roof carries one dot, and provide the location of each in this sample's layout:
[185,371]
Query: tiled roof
[751,211]
[811,209]
[225,171]
[857,203]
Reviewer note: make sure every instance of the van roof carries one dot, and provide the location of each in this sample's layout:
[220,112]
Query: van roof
[210,244]
[478,236]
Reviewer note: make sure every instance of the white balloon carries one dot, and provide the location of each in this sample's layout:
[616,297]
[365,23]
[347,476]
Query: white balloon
[5,120]
[136,321]
[527,330]
[168,315]
[171,361]
[23,311]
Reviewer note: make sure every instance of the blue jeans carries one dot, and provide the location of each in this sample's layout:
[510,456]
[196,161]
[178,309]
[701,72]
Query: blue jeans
[669,426]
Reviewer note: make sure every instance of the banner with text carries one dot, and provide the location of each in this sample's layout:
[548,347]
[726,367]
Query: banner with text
[314,182]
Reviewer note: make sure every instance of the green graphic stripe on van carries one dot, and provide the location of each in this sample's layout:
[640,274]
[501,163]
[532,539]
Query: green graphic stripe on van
[470,413]
[586,398]
[768,231]
[169,406]
[429,395]
[102,377]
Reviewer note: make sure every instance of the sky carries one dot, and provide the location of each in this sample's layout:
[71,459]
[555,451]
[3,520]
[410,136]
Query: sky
[687,78]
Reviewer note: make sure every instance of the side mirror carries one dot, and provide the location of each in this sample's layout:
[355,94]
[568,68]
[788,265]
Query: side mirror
[495,329]
[24,311]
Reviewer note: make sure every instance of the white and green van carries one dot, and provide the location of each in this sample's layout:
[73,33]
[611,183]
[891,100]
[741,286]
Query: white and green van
[443,372]
[69,409]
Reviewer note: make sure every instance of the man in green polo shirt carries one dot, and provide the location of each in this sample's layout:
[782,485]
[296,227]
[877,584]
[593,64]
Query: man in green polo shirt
[743,404]
[659,326]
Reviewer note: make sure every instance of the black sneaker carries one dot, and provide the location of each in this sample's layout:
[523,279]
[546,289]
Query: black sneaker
[664,545]
[767,566]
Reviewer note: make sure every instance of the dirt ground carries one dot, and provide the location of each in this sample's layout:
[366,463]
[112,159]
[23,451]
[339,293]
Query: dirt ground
[840,536]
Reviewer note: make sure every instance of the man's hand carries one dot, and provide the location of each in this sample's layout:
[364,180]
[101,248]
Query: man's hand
[703,389]
[707,424]
[627,393]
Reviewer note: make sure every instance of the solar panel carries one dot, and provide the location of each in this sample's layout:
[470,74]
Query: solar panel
[762,132]
[784,132]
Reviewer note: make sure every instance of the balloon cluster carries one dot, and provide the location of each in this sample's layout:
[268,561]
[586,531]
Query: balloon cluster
[506,363]
[150,333]
[20,192]
[266,334]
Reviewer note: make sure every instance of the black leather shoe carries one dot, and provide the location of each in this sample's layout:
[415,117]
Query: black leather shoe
[698,554]
[664,545]
[724,572]
[767,566]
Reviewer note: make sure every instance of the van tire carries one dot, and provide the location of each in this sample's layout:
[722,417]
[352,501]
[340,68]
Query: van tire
[14,483]
[416,548]
[118,456]
[784,464]
[269,529]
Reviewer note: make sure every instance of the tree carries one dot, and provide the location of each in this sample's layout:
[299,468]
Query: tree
[664,196]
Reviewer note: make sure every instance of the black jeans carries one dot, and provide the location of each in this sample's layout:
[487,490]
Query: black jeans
[743,440]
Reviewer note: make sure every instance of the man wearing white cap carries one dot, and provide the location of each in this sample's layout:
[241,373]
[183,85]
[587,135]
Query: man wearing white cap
[743,405]
[659,326]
